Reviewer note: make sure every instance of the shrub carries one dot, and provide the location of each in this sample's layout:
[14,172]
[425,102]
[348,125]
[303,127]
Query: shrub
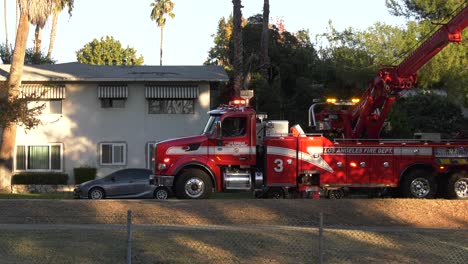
[84,174]
[46,178]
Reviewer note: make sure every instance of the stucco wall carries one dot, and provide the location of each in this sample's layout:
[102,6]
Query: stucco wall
[84,124]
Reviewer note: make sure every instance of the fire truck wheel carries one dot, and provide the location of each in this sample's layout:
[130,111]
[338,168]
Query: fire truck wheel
[419,184]
[275,193]
[458,186]
[336,194]
[193,184]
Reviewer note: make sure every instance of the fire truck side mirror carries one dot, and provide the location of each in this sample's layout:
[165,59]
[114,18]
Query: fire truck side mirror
[219,130]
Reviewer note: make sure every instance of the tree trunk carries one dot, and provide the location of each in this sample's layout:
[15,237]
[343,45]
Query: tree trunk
[264,58]
[7,45]
[37,39]
[8,136]
[53,33]
[17,16]
[161,46]
[238,47]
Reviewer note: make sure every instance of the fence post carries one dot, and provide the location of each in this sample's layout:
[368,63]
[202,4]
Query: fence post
[129,237]
[320,261]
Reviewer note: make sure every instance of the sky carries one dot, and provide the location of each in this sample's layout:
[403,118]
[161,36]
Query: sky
[189,36]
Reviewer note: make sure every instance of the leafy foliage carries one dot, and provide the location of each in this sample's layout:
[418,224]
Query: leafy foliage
[107,50]
[160,9]
[426,113]
[436,10]
[293,62]
[15,110]
[40,178]
[30,57]
[84,174]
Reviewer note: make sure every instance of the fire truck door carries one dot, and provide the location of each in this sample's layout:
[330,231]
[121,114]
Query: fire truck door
[235,146]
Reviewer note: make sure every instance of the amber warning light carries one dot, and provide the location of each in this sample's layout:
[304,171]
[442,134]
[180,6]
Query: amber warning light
[238,102]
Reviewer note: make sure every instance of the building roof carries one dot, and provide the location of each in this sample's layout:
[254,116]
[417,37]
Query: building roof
[74,71]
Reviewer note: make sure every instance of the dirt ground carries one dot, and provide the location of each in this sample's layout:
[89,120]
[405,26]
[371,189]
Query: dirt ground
[406,213]
[234,231]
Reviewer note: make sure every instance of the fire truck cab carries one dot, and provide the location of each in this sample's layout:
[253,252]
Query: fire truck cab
[236,151]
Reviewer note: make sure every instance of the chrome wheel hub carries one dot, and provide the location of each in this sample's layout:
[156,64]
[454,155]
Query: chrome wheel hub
[194,187]
[461,188]
[96,194]
[161,194]
[420,187]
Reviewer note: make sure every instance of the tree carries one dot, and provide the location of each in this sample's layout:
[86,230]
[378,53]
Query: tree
[35,12]
[437,10]
[426,113]
[238,47]
[264,58]
[220,54]
[292,71]
[59,5]
[31,57]
[161,8]
[7,45]
[107,50]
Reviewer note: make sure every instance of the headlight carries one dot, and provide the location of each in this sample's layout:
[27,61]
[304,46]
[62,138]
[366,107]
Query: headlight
[162,166]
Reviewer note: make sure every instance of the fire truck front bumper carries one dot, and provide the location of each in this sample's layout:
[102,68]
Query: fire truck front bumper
[161,180]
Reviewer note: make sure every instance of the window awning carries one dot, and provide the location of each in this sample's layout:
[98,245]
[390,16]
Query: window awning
[43,91]
[113,91]
[171,91]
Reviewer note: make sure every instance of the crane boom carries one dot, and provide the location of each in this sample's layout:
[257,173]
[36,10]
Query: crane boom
[365,120]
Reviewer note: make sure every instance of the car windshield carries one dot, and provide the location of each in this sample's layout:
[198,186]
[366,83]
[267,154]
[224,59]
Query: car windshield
[209,127]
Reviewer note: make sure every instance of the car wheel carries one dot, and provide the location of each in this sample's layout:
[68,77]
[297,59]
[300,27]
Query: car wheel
[458,186]
[96,193]
[193,184]
[161,193]
[419,184]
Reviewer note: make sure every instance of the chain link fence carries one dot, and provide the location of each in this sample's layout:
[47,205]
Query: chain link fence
[153,238]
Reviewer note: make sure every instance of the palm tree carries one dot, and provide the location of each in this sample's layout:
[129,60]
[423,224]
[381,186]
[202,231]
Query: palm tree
[264,58]
[238,48]
[37,39]
[161,8]
[59,5]
[33,12]
[7,46]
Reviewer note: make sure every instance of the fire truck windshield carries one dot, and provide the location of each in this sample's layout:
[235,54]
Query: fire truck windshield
[209,127]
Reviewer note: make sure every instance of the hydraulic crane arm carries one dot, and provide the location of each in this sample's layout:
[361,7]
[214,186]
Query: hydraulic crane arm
[365,120]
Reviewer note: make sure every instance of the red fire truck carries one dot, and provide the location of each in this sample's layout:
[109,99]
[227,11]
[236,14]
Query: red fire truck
[239,150]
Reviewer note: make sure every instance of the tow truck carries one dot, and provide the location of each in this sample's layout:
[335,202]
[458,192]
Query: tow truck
[240,150]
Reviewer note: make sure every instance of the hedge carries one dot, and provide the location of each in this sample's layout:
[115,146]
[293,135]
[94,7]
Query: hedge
[43,178]
[84,174]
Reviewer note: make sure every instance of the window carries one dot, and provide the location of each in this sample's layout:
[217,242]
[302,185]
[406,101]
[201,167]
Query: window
[112,153]
[47,157]
[50,106]
[150,155]
[234,126]
[112,103]
[164,106]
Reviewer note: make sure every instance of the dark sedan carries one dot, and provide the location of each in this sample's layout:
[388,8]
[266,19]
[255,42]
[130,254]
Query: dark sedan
[125,183]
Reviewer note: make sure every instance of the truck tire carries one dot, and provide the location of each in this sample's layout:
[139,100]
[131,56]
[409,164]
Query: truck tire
[419,184]
[193,184]
[335,194]
[458,186]
[275,193]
